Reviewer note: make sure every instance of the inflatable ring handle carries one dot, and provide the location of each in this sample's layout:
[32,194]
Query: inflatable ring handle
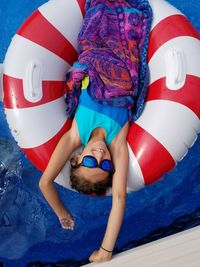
[32,83]
[175,69]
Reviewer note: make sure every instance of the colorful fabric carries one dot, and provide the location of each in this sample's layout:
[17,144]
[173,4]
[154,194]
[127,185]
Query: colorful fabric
[112,46]
[91,115]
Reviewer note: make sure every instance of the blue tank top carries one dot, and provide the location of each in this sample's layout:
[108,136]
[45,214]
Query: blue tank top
[91,115]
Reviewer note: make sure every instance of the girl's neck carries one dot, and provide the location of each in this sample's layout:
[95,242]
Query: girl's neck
[98,134]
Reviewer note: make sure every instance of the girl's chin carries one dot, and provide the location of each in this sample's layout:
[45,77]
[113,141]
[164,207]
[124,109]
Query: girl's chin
[99,145]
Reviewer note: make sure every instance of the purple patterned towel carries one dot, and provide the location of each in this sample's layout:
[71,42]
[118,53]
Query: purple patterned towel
[112,46]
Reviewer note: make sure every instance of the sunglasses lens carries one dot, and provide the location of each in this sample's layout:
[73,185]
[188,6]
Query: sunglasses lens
[89,161]
[107,165]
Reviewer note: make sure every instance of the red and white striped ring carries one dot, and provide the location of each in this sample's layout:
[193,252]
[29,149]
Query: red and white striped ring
[34,72]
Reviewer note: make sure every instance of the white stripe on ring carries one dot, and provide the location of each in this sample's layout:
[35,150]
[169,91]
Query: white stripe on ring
[172,124]
[162,10]
[23,52]
[62,18]
[135,176]
[34,126]
[191,57]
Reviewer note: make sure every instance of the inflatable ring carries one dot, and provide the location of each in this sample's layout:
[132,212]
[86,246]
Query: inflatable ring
[34,73]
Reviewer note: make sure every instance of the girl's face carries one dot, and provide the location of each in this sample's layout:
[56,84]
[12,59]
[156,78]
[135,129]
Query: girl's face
[97,149]
[100,151]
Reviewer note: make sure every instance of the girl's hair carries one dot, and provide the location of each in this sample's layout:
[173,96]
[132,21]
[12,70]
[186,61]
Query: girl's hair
[82,185]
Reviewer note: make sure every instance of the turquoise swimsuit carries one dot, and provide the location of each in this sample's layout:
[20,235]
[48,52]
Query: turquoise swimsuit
[91,115]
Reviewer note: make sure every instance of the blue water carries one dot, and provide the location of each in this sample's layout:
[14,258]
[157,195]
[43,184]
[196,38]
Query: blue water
[30,232]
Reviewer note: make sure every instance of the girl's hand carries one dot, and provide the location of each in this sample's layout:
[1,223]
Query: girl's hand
[100,256]
[67,221]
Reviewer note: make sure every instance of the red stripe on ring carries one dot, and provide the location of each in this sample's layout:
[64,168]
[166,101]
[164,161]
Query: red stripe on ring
[153,157]
[188,95]
[14,95]
[40,155]
[82,6]
[40,31]
[169,28]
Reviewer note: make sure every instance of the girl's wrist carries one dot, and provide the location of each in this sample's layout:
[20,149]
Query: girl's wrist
[106,250]
[63,214]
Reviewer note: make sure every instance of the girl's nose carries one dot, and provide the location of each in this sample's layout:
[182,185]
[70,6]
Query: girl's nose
[99,155]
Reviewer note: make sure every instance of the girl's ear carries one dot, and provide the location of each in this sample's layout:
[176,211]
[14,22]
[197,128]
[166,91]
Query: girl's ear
[74,161]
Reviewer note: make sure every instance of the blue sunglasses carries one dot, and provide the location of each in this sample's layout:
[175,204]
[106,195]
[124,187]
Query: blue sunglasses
[91,162]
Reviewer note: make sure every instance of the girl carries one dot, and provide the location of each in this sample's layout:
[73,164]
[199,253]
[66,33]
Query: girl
[104,157]
[103,96]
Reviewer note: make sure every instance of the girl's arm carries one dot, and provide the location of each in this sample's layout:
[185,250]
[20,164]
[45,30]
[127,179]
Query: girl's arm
[119,151]
[67,144]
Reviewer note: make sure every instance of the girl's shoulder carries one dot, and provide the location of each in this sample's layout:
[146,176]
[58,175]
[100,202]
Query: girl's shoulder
[120,138]
[73,133]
